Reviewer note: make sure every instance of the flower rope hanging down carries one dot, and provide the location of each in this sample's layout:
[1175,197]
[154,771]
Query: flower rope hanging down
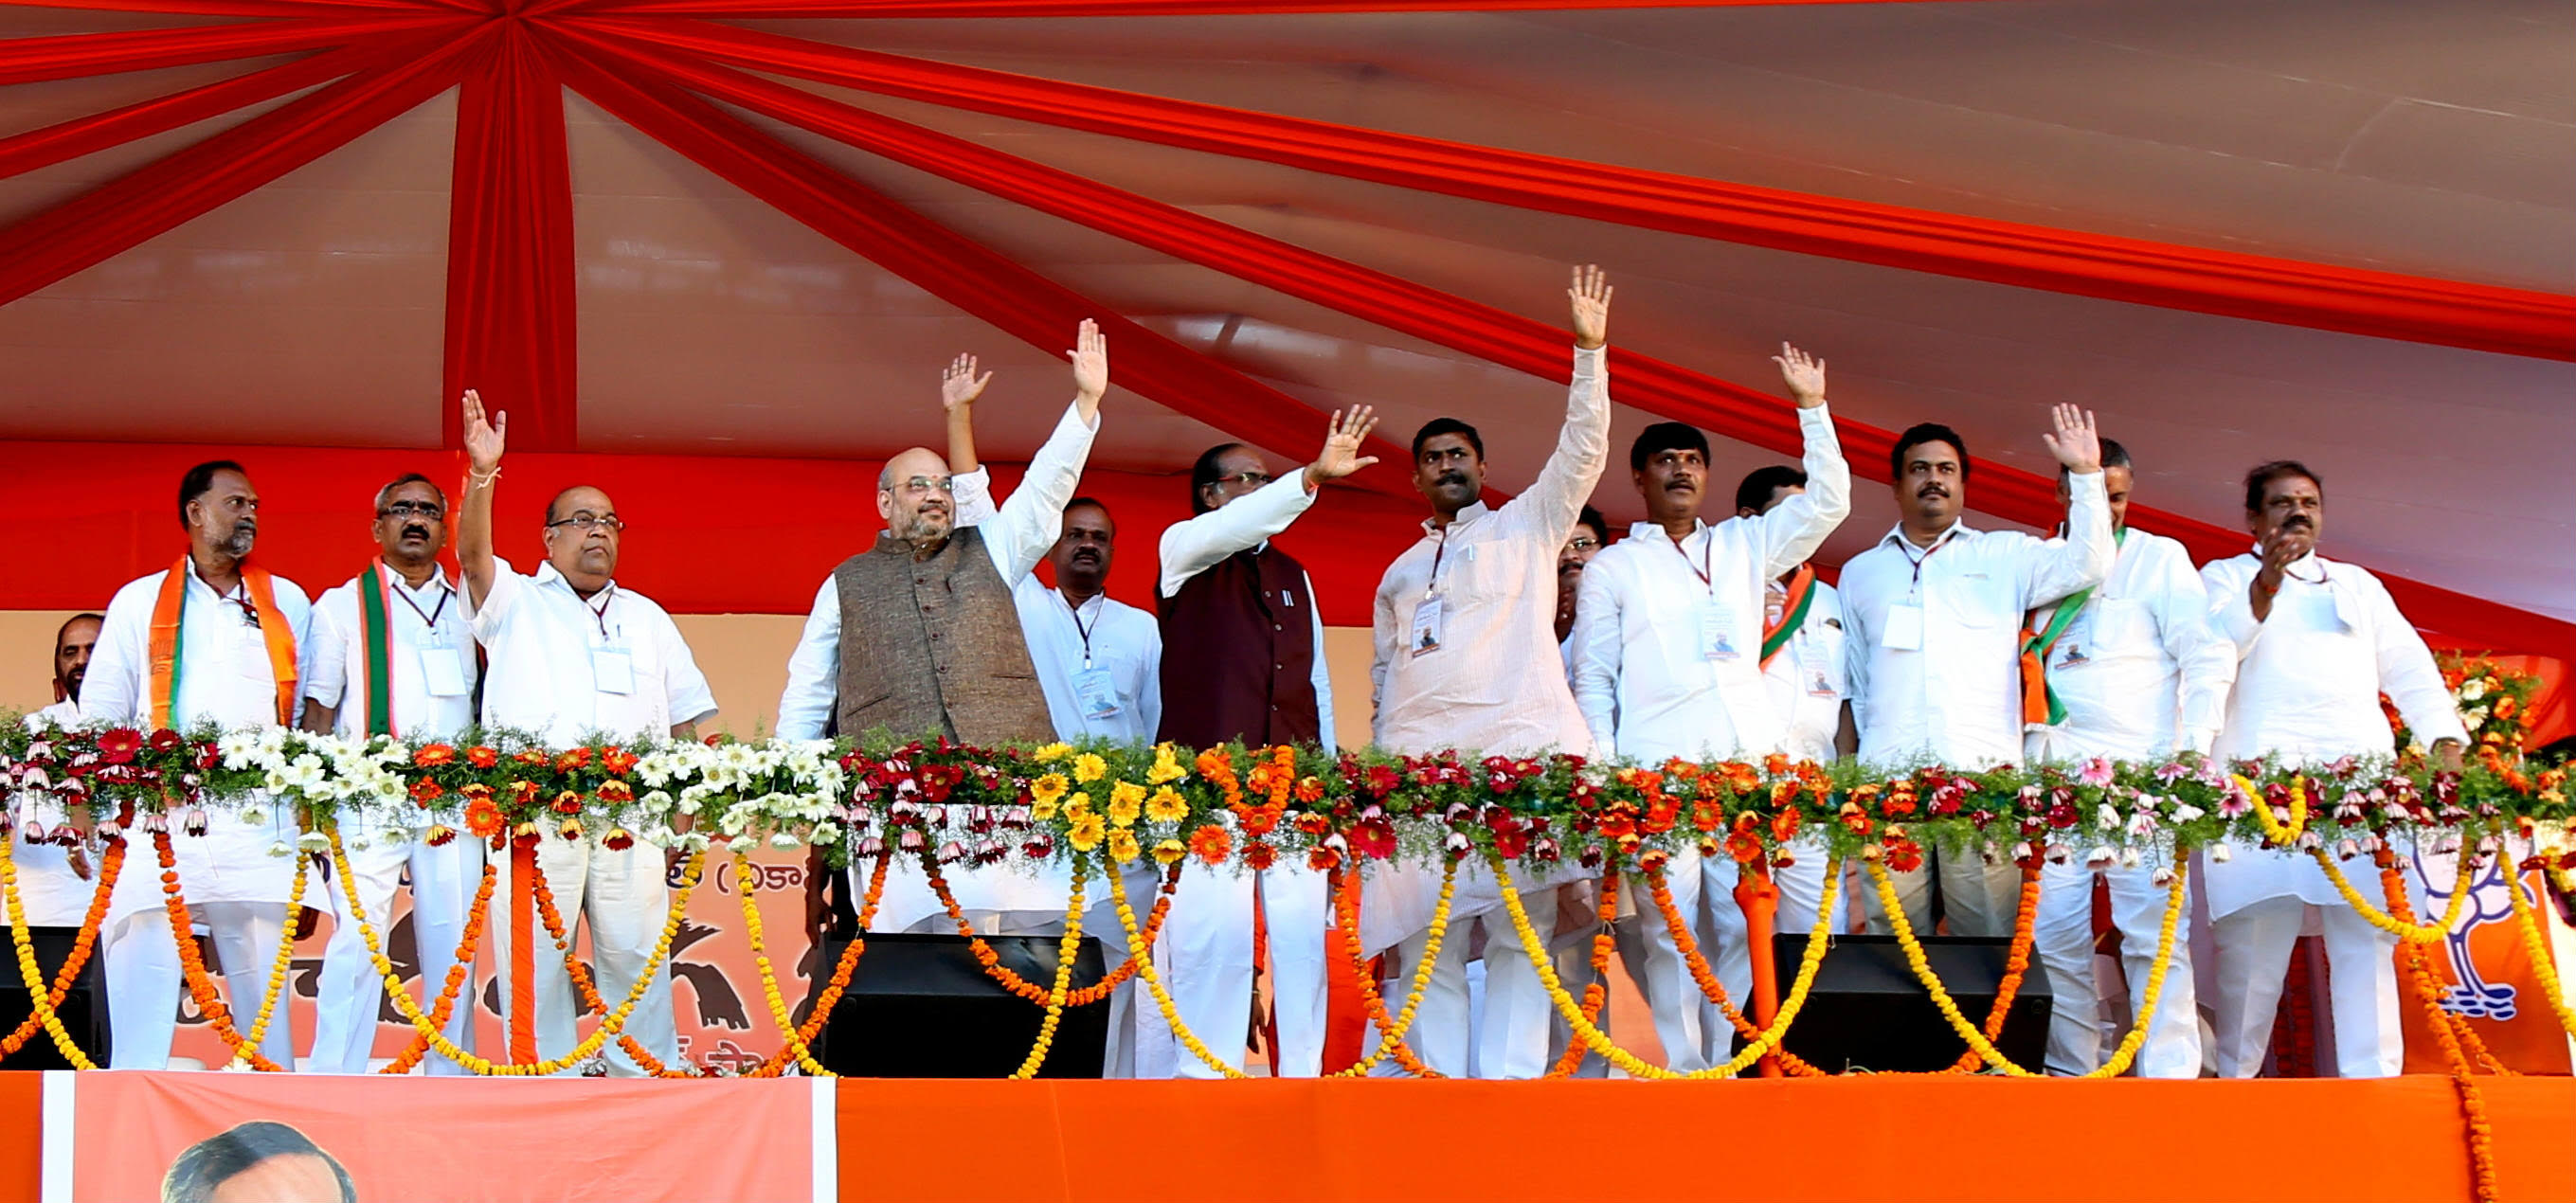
[1596,992]
[476,917]
[588,991]
[2448,1030]
[2416,961]
[2394,890]
[1140,953]
[1696,960]
[1012,981]
[1064,955]
[42,1003]
[1346,922]
[800,1037]
[1599,1041]
[280,967]
[2535,945]
[192,967]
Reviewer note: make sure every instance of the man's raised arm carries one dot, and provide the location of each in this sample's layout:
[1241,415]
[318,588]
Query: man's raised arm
[483,444]
[1556,498]
[1032,519]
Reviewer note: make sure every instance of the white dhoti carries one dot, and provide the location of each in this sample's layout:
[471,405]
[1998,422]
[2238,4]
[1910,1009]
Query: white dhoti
[350,996]
[1511,1041]
[239,892]
[624,897]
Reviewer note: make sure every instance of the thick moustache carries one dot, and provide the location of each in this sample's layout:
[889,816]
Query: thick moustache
[1933,491]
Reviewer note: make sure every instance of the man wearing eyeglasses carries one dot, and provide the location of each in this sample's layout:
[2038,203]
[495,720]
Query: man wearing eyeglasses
[391,653]
[2316,641]
[212,640]
[1668,663]
[575,658]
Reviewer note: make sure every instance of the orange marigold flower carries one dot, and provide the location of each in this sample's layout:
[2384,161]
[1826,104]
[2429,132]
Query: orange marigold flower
[430,756]
[1211,843]
[1310,789]
[574,758]
[426,791]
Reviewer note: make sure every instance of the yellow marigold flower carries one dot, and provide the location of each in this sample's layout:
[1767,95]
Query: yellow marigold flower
[1050,788]
[1123,846]
[1170,851]
[1086,831]
[1126,801]
[1089,767]
[1051,752]
[1166,806]
[1078,805]
[1167,766]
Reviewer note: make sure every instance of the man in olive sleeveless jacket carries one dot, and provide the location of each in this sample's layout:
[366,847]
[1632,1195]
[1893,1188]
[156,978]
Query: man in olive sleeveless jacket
[918,635]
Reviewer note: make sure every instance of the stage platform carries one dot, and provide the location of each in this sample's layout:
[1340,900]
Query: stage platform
[1865,1138]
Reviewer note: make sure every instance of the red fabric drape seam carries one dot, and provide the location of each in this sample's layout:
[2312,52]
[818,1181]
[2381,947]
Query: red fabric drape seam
[72,56]
[1654,385]
[959,271]
[2378,304]
[971,9]
[87,229]
[511,330]
[258,8]
[85,135]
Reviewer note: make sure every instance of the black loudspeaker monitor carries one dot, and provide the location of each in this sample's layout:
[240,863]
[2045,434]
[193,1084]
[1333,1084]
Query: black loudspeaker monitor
[918,1006]
[83,1012]
[1867,1010]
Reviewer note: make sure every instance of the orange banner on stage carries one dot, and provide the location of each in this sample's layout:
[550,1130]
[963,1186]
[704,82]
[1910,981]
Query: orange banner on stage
[2484,970]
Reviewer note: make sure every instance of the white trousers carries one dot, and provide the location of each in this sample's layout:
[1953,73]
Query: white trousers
[1511,1038]
[1727,938]
[624,898]
[351,993]
[2254,946]
[145,983]
[1205,960]
[2065,915]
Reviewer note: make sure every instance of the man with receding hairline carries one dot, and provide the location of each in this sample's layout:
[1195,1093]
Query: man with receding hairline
[573,657]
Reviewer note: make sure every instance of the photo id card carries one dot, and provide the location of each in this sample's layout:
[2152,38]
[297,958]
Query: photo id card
[1094,692]
[442,670]
[1904,628]
[1426,626]
[614,669]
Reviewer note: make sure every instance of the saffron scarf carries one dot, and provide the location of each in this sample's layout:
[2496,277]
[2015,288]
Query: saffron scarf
[1793,614]
[169,640]
[2039,703]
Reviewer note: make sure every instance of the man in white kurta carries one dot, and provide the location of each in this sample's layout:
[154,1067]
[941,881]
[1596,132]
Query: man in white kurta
[427,696]
[1934,611]
[2316,642]
[2135,675]
[55,878]
[1004,899]
[227,676]
[1667,664]
[571,658]
[1466,658]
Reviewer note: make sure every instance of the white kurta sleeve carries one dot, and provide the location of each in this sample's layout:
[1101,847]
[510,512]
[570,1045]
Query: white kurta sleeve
[325,671]
[498,601]
[1031,519]
[114,689]
[1859,640]
[1150,700]
[1322,673]
[1193,546]
[688,695]
[973,493]
[1384,639]
[1598,625]
[2407,673]
[2231,609]
[813,669]
[2053,568]
[2206,662]
[1794,529]
[1546,512]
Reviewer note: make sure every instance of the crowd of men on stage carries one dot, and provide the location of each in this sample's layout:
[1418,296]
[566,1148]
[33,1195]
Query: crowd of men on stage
[1512,630]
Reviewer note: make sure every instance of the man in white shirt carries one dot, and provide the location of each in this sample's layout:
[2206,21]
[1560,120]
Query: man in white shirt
[54,877]
[1934,613]
[2316,642]
[230,632]
[573,658]
[390,653]
[1465,631]
[962,667]
[1591,533]
[2132,674]
[1667,664]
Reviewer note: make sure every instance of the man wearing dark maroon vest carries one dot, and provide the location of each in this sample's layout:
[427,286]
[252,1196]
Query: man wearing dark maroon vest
[1243,660]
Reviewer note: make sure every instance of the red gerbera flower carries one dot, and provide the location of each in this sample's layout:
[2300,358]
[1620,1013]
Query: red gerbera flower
[1258,855]
[426,791]
[118,746]
[165,739]
[574,758]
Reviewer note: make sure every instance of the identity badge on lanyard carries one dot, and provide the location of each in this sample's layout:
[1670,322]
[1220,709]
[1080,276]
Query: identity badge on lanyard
[1716,620]
[1427,615]
[442,665]
[612,666]
[1811,667]
[1905,619]
[1093,690]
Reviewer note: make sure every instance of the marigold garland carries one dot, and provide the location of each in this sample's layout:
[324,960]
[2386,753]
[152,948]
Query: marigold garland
[2275,832]
[1065,951]
[588,991]
[1696,960]
[1140,952]
[1637,1067]
[477,916]
[42,1003]
[282,966]
[1390,1042]
[2480,1134]
[2016,965]
[2395,890]
[192,967]
[2420,967]
[800,1038]
[1024,988]
[2535,945]
[1596,992]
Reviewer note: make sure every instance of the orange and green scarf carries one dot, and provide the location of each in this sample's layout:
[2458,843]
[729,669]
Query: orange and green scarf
[1793,614]
[169,640]
[2039,701]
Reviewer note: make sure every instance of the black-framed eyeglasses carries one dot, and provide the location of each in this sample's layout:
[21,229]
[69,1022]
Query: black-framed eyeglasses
[585,522]
[1256,478]
[413,509]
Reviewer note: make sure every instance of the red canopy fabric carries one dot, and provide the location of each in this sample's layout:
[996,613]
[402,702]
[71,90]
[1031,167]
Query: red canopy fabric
[665,68]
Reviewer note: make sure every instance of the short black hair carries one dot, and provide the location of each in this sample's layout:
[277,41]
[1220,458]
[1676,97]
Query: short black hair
[1759,485]
[201,479]
[60,631]
[2113,456]
[1919,434]
[1592,518]
[410,478]
[1204,473]
[1666,436]
[2264,474]
[206,1165]
[1096,504]
[1440,426]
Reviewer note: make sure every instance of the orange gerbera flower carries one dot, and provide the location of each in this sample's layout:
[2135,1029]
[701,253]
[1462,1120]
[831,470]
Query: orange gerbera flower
[482,757]
[483,817]
[1212,843]
[430,756]
[426,791]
